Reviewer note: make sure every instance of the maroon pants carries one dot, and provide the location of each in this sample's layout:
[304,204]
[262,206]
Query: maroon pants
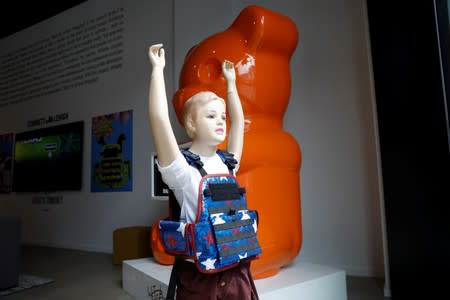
[236,283]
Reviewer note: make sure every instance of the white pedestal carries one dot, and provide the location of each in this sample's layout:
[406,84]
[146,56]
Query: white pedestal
[145,279]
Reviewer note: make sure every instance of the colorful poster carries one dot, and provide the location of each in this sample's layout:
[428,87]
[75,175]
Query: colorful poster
[112,152]
[6,146]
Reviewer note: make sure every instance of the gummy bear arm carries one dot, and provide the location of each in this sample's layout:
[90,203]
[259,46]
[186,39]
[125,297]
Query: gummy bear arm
[158,113]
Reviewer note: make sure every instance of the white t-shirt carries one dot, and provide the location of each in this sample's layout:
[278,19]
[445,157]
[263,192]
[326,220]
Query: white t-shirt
[184,181]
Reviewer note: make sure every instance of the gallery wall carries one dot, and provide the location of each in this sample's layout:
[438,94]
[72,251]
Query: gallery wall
[330,114]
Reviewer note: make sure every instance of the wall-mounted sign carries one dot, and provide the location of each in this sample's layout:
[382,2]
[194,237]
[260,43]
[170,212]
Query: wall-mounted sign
[49,119]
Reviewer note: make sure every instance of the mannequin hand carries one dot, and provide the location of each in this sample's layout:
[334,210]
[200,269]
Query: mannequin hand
[156,55]
[228,70]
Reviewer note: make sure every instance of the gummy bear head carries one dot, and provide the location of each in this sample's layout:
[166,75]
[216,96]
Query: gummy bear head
[260,43]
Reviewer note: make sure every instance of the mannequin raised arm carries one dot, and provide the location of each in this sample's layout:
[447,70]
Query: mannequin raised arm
[158,113]
[235,112]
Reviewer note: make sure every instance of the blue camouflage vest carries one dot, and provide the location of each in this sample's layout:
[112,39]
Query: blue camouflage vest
[225,229]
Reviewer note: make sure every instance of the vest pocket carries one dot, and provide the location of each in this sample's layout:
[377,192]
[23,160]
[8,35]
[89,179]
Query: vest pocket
[205,249]
[235,236]
[175,237]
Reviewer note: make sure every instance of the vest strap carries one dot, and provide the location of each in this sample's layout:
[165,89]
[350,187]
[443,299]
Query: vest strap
[228,159]
[194,160]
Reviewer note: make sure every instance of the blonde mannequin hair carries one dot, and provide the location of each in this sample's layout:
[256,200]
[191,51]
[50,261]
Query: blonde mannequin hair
[191,108]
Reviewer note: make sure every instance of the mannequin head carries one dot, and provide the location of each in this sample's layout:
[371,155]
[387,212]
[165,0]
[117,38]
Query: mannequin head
[204,116]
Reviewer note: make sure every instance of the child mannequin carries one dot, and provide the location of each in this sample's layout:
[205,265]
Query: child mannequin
[204,119]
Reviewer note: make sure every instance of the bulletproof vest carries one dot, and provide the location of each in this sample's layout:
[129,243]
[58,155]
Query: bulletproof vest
[225,229]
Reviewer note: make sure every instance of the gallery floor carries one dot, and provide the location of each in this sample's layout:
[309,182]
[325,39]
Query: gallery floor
[90,275]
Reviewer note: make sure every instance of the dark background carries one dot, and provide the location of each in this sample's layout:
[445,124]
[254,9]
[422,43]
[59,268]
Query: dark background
[410,100]
[18,15]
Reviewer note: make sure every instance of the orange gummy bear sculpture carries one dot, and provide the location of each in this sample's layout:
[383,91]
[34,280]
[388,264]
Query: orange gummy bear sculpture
[260,43]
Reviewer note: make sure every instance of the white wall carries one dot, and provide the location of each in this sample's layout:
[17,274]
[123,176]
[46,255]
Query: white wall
[330,114]
[86,220]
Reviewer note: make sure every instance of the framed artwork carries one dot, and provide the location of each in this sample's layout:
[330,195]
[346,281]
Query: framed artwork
[6,148]
[112,142]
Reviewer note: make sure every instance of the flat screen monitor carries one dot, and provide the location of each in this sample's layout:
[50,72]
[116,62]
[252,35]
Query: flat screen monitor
[49,159]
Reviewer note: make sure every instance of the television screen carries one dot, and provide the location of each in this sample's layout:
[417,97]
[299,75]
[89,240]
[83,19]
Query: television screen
[49,159]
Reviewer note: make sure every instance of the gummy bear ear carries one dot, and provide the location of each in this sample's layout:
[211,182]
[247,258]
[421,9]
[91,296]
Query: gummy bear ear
[265,29]
[209,70]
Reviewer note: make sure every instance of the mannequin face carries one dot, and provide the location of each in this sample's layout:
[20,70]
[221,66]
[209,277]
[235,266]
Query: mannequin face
[209,120]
